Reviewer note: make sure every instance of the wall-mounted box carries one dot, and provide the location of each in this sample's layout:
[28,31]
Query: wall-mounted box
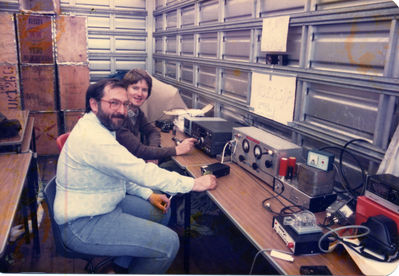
[71,39]
[73,82]
[38,87]
[35,38]
[40,6]
[10,97]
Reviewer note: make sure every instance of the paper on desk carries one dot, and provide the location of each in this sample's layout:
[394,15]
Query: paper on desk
[370,267]
[191,112]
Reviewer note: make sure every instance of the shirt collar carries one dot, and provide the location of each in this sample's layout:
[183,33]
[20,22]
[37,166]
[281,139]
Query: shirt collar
[93,117]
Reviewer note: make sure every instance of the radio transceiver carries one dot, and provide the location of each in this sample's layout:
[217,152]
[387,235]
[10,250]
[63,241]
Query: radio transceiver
[189,119]
[384,189]
[211,135]
[259,152]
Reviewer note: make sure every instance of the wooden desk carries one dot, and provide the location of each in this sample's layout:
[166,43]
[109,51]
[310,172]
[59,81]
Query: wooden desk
[239,195]
[27,142]
[14,166]
[12,178]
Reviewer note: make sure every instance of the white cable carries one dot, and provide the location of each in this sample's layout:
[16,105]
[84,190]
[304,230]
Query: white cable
[224,149]
[264,250]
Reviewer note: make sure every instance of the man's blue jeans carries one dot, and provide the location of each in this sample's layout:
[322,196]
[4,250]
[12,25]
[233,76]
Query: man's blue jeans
[135,232]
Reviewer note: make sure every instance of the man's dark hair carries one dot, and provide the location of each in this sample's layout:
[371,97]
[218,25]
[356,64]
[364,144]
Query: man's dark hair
[96,90]
[136,75]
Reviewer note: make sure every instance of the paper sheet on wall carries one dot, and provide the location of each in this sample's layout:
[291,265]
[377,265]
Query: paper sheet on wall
[274,34]
[273,96]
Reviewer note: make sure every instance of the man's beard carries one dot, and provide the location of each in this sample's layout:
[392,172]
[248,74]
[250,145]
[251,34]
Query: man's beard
[106,119]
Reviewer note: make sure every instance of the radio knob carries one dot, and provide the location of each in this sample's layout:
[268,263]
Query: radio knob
[241,158]
[268,163]
[201,141]
[254,166]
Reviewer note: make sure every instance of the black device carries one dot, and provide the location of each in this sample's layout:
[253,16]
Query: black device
[383,236]
[300,236]
[212,135]
[164,125]
[384,189]
[9,127]
[188,120]
[217,169]
[314,270]
[274,59]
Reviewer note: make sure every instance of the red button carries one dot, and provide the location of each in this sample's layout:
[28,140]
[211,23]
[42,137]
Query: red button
[290,245]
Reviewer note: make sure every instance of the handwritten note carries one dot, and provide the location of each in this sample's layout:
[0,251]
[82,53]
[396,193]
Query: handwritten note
[274,34]
[273,96]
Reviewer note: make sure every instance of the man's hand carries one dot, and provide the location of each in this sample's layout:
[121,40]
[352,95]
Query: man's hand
[185,146]
[160,201]
[205,182]
[153,161]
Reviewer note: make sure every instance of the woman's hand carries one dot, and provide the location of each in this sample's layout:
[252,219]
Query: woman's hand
[185,146]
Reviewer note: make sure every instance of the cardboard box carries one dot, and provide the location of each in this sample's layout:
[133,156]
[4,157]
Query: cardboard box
[71,39]
[35,38]
[46,132]
[8,44]
[71,118]
[40,6]
[73,82]
[38,87]
[10,97]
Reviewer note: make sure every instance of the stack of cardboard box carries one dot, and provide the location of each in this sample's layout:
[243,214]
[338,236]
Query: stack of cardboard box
[53,65]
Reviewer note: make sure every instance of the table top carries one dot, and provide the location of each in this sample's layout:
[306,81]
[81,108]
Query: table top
[240,195]
[22,116]
[14,169]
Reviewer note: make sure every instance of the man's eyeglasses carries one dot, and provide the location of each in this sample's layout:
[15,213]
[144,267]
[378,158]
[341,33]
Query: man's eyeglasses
[115,104]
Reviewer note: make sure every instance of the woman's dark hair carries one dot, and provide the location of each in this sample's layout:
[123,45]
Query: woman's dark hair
[96,90]
[136,75]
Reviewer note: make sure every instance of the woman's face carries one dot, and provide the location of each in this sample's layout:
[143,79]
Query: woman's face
[138,93]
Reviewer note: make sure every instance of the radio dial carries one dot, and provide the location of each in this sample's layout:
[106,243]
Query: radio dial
[245,145]
[268,163]
[241,158]
[257,152]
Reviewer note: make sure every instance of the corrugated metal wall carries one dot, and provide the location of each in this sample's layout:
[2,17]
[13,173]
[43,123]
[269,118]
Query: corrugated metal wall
[117,34]
[343,53]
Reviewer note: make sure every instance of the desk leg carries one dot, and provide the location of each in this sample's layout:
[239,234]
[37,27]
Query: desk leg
[187,232]
[32,190]
[25,202]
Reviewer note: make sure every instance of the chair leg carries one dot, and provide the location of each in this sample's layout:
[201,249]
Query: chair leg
[101,264]
[89,267]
